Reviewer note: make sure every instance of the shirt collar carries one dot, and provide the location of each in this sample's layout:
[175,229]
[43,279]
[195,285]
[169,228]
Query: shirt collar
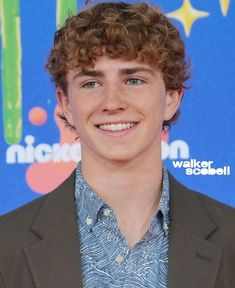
[90,203]
[165,201]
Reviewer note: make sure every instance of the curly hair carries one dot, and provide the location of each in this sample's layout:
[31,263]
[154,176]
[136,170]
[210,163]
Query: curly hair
[120,30]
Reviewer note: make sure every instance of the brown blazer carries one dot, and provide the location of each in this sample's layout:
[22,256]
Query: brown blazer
[40,247]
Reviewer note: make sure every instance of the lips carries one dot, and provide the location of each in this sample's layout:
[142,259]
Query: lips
[117,126]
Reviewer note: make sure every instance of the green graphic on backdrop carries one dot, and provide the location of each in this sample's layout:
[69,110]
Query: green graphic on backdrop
[11,63]
[11,71]
[62,10]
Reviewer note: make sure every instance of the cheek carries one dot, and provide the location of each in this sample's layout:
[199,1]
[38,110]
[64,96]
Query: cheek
[153,104]
[81,110]
[74,111]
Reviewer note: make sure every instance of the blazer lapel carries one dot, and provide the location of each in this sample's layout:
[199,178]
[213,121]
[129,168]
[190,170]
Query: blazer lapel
[193,260]
[55,259]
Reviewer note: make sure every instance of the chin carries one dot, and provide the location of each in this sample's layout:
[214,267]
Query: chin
[120,156]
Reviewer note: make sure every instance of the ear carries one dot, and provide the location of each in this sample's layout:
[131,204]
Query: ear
[63,102]
[173,99]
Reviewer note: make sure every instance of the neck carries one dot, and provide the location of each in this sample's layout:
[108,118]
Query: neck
[131,188]
[126,185]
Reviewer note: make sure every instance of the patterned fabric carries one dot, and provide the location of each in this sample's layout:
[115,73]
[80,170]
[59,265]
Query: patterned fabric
[106,260]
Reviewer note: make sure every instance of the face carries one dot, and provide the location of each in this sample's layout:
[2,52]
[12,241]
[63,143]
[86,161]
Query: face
[118,108]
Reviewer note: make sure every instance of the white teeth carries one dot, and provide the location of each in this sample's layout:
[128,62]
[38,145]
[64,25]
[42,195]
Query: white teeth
[116,127]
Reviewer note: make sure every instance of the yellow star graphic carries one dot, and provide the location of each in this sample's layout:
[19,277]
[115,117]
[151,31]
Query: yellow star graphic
[187,15]
[224,6]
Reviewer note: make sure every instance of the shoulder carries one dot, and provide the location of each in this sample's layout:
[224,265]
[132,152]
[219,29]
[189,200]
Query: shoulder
[199,212]
[15,234]
[204,226]
[15,226]
[223,216]
[221,212]
[204,218]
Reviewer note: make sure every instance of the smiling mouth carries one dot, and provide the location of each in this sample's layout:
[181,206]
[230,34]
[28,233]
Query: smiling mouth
[117,126]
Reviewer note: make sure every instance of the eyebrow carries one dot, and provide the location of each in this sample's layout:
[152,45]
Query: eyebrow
[128,71]
[92,73]
[123,71]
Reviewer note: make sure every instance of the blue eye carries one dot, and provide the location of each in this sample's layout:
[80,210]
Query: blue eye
[134,81]
[91,85]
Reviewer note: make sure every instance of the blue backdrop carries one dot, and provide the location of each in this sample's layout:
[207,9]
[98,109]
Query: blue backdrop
[41,154]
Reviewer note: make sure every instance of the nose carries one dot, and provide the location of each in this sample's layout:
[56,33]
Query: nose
[114,100]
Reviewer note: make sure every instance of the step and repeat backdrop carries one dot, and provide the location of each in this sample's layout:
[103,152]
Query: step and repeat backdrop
[37,153]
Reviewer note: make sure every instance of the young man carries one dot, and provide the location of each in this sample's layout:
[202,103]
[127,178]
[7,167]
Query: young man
[120,220]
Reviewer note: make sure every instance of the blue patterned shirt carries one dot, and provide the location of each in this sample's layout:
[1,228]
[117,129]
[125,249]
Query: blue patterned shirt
[107,262]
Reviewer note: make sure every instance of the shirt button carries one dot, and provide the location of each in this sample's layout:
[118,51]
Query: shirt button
[107,212]
[119,258]
[165,226]
[89,221]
